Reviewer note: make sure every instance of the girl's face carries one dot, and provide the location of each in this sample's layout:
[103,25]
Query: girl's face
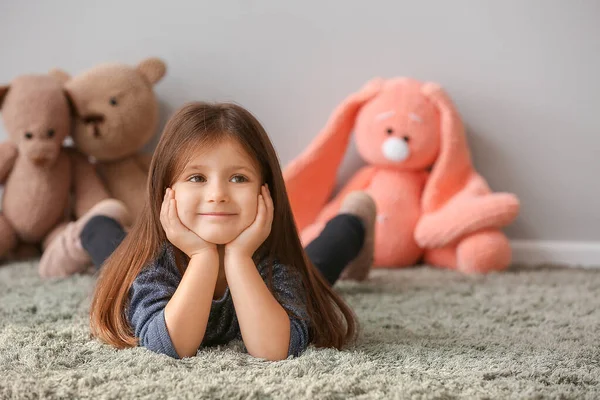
[217,193]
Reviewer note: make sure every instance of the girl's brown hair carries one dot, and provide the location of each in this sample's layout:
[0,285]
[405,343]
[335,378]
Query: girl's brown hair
[332,322]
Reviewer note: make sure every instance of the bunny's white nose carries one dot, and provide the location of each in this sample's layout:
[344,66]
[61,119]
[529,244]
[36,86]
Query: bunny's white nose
[395,149]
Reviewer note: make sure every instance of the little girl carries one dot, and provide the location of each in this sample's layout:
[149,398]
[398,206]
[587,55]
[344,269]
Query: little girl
[216,255]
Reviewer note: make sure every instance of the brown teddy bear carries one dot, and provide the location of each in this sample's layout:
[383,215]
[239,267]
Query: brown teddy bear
[116,116]
[40,176]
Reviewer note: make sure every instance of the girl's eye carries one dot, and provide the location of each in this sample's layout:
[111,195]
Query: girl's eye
[239,179]
[197,179]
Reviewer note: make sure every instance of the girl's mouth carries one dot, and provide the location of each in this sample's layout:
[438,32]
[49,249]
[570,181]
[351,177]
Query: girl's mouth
[217,214]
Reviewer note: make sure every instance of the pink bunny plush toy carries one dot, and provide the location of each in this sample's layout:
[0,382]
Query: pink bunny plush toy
[432,205]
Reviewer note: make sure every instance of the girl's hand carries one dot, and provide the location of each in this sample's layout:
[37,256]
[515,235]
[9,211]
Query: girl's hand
[177,233]
[253,236]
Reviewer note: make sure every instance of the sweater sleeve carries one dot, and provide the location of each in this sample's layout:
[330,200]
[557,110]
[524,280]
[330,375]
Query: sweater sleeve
[289,291]
[149,295]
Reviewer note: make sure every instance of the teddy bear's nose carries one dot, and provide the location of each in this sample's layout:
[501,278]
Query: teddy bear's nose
[93,118]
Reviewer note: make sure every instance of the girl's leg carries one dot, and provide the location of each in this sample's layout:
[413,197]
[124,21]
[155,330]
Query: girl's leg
[100,237]
[345,246]
[64,254]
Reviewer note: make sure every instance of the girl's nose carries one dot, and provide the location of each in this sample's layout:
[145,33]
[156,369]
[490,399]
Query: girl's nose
[217,193]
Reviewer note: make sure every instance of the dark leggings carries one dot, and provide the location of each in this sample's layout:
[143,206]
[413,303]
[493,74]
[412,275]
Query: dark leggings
[339,243]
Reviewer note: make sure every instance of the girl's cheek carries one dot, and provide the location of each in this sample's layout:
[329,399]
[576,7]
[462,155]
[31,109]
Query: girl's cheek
[254,206]
[184,205]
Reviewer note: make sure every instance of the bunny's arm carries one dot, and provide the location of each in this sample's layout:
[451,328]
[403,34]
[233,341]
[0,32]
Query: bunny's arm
[473,209]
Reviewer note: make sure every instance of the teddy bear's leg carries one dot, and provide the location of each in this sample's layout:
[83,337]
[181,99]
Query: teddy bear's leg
[18,251]
[24,251]
[8,237]
[64,254]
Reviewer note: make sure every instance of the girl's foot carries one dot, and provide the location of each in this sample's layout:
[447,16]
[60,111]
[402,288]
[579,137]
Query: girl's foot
[361,205]
[65,255]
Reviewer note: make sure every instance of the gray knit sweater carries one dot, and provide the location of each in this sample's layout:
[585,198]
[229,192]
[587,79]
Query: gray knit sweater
[156,283]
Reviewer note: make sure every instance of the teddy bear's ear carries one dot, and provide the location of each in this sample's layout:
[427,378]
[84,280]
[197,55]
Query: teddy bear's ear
[153,69]
[3,92]
[59,75]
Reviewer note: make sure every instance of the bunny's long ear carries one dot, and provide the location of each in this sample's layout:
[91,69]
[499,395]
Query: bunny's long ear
[310,178]
[3,93]
[453,166]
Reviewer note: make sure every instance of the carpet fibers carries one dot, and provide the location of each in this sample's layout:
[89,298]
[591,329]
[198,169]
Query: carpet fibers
[426,334]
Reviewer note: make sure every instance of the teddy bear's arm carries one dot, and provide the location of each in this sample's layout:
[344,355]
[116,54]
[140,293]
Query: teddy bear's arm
[87,187]
[8,156]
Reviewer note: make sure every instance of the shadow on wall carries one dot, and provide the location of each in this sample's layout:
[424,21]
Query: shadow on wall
[165,110]
[484,152]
